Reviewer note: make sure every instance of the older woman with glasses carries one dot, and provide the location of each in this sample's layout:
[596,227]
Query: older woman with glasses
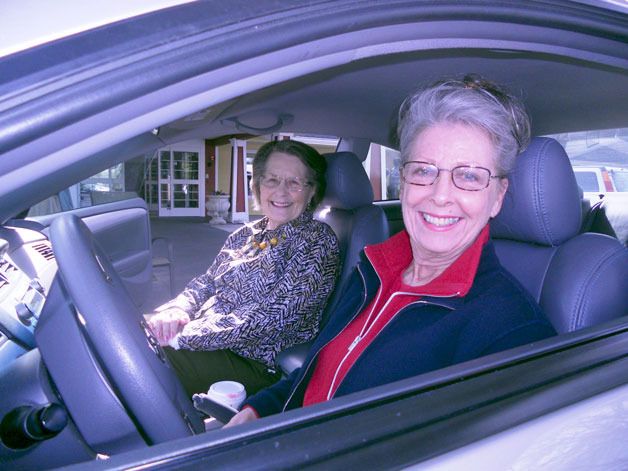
[434,294]
[267,287]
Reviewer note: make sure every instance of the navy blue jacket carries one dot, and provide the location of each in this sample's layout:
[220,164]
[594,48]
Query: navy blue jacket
[496,314]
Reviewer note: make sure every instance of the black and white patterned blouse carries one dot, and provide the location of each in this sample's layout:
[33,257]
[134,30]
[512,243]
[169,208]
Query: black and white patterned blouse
[264,292]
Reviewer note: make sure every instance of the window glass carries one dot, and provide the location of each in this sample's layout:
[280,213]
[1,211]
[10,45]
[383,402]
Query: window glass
[587,180]
[99,188]
[185,196]
[599,159]
[382,165]
[185,165]
[393,173]
[600,162]
[164,156]
[150,185]
[106,186]
[620,179]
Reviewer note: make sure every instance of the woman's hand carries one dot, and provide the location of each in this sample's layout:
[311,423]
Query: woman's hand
[168,323]
[245,415]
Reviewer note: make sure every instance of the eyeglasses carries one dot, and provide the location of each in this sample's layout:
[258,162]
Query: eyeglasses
[293,185]
[465,177]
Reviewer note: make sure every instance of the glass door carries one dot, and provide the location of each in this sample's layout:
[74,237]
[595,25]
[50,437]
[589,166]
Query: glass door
[181,180]
[151,183]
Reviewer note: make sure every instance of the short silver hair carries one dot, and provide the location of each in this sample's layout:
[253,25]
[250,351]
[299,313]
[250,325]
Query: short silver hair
[473,101]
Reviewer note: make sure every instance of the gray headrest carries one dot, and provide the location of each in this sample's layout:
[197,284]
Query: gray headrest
[542,204]
[348,185]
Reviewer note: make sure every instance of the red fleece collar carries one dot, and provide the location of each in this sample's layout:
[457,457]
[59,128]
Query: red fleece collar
[391,257]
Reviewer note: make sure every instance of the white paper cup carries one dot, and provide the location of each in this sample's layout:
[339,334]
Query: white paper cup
[230,393]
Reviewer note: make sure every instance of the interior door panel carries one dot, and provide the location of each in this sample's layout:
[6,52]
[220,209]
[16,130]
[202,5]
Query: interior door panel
[123,230]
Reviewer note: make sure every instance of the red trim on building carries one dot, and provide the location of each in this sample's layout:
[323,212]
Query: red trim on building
[240,205]
[210,167]
[376,171]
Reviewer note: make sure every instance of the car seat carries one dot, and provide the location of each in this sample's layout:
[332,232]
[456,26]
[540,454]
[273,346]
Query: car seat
[349,210]
[578,279]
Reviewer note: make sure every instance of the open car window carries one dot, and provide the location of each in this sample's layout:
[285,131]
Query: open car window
[599,159]
[600,162]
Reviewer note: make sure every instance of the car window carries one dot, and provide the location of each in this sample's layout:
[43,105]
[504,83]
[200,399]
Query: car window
[382,165]
[169,178]
[600,162]
[599,159]
[587,180]
[620,179]
[104,187]
[139,177]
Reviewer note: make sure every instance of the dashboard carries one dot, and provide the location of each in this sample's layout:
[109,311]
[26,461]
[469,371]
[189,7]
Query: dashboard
[27,268]
[57,402]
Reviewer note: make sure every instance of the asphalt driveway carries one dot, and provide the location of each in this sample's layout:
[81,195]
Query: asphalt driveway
[195,244]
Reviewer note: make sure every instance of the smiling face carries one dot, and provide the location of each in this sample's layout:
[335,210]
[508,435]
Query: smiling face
[280,204]
[443,220]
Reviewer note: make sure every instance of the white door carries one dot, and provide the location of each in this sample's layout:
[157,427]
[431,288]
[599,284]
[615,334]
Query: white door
[182,179]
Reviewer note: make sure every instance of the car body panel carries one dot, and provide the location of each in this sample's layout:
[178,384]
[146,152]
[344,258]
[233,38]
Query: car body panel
[560,440]
[413,420]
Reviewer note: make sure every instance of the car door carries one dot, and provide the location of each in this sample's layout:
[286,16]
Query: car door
[123,230]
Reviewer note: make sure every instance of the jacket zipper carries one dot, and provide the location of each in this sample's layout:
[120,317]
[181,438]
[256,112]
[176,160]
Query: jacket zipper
[359,338]
[365,329]
[365,332]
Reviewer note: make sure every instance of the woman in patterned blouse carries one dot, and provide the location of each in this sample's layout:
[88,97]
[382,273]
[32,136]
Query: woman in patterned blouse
[267,287]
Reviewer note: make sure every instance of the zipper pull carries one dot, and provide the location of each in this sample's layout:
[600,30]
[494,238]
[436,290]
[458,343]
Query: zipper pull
[354,343]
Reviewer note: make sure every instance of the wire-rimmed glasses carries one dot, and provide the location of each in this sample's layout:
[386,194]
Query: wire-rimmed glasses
[293,184]
[465,177]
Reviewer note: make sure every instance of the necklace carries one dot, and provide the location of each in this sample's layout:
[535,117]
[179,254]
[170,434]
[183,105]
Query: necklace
[258,243]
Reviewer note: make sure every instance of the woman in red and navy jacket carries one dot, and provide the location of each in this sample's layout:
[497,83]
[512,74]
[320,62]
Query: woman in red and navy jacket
[434,294]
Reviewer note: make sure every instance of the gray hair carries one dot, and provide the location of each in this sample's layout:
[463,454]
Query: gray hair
[472,101]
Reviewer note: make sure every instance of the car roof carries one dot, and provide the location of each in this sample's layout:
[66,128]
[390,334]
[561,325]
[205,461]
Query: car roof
[207,70]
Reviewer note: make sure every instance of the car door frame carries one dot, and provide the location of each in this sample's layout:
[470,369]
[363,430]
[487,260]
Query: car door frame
[417,419]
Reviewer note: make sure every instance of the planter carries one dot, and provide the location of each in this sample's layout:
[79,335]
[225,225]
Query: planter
[217,207]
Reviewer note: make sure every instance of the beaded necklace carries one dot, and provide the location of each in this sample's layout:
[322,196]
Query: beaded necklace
[257,243]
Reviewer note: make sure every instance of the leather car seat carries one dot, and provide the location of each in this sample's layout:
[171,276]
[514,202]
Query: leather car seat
[578,279]
[349,210]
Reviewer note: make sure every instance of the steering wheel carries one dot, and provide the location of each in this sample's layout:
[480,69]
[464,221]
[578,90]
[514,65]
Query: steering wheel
[119,343]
